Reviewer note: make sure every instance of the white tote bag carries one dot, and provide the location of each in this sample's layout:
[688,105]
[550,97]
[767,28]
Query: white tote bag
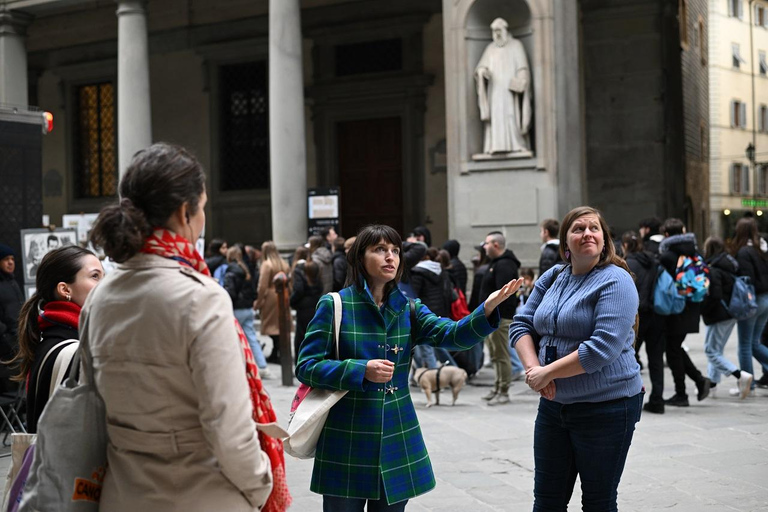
[311,406]
[71,453]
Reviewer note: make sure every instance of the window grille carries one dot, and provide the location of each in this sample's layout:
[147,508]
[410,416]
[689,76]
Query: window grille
[95,151]
[244,131]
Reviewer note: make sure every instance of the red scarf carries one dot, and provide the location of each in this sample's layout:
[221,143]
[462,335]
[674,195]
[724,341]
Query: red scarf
[168,244]
[59,312]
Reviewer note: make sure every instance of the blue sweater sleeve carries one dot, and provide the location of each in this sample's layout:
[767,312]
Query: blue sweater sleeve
[317,364]
[446,333]
[615,313]
[522,323]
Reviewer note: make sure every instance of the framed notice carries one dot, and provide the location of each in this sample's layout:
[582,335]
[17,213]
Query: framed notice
[36,243]
[81,223]
[323,209]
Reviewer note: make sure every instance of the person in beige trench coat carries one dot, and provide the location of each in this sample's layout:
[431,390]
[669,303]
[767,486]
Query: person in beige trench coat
[168,363]
[266,303]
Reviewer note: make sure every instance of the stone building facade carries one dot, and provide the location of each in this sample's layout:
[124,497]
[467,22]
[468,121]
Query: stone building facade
[738,77]
[375,97]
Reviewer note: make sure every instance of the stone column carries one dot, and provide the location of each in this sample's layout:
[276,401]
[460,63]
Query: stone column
[287,142]
[134,119]
[13,58]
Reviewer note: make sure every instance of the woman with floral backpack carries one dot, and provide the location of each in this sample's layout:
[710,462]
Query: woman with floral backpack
[164,340]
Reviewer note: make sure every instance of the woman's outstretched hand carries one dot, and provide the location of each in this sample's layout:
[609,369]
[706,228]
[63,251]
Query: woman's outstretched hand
[501,295]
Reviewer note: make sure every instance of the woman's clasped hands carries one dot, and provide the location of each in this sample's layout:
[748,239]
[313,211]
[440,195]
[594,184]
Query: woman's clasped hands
[537,378]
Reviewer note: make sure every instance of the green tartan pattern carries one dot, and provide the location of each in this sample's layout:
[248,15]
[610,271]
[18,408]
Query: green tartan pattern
[373,433]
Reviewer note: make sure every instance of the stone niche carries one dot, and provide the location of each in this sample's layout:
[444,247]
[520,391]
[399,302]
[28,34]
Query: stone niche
[470,35]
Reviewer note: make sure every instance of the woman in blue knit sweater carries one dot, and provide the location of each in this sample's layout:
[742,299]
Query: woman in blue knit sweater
[582,316]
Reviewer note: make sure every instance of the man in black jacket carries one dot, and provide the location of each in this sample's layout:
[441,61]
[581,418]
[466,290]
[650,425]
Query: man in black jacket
[457,269]
[11,300]
[550,250]
[503,268]
[675,244]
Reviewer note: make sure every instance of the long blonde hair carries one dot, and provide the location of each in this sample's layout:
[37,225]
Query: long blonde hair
[234,254]
[269,254]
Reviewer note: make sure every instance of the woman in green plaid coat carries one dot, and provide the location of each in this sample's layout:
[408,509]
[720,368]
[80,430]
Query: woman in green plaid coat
[371,448]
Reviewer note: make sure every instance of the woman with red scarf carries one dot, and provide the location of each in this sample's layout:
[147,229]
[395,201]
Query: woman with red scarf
[48,323]
[181,390]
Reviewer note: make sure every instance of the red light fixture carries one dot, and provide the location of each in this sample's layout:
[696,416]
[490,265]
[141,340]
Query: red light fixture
[48,122]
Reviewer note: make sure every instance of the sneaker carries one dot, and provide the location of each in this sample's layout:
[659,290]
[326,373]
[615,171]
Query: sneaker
[491,395]
[703,387]
[677,401]
[737,392]
[501,399]
[654,407]
[762,382]
[745,384]
[518,376]
[264,373]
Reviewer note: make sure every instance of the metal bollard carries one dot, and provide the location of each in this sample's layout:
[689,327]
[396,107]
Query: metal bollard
[284,322]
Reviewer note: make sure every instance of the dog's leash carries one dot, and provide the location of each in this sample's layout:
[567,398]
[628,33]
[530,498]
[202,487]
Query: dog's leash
[437,381]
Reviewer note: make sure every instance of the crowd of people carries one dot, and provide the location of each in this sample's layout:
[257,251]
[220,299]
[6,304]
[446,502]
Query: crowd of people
[167,330]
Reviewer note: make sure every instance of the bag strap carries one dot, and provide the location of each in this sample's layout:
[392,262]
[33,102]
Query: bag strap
[337,305]
[414,328]
[42,365]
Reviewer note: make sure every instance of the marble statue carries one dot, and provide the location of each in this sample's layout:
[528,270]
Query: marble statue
[504,93]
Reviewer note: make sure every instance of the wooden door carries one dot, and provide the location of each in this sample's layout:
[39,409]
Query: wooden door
[370,173]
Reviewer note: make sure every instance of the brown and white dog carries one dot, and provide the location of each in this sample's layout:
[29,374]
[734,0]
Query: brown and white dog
[450,377]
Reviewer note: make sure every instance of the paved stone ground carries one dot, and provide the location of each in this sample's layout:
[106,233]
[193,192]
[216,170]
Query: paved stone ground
[709,457]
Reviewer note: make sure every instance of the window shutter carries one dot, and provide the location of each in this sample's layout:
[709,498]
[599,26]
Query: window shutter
[733,114]
[730,7]
[743,116]
[732,178]
[745,179]
[741,9]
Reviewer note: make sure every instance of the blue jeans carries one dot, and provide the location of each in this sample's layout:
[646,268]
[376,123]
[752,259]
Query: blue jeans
[424,356]
[749,338]
[245,317]
[714,343]
[586,439]
[337,504]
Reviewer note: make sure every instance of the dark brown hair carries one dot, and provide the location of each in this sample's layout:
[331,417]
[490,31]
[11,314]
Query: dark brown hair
[367,237]
[59,265]
[444,258]
[159,180]
[633,241]
[713,246]
[551,226]
[746,231]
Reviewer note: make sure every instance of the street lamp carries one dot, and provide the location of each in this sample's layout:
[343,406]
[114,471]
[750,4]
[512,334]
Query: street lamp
[750,153]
